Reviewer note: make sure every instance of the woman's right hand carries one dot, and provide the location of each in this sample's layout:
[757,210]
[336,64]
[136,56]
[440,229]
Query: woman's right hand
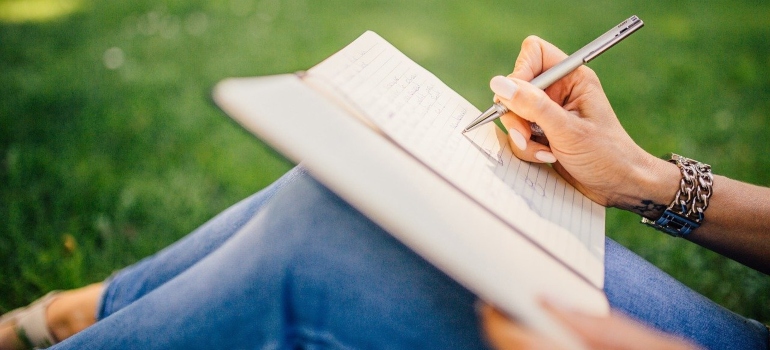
[587,144]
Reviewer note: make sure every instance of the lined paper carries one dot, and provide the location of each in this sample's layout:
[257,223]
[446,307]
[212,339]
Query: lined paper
[425,117]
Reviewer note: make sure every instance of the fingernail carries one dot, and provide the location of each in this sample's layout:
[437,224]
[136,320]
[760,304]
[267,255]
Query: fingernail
[559,305]
[518,139]
[545,157]
[503,87]
[553,301]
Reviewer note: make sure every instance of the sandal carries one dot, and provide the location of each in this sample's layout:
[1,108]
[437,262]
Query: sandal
[30,322]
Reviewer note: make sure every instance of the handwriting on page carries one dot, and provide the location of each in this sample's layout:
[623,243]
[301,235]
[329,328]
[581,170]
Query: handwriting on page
[424,116]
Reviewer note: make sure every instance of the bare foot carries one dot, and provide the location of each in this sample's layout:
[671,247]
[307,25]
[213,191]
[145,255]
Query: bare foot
[73,311]
[8,338]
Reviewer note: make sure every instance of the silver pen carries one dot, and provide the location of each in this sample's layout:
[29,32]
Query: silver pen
[577,59]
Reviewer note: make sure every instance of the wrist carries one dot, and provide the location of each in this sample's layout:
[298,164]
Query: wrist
[652,184]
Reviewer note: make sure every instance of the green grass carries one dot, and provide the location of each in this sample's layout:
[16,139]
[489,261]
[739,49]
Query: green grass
[111,149]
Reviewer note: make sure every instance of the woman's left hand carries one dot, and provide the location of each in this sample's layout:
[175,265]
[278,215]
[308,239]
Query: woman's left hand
[613,332]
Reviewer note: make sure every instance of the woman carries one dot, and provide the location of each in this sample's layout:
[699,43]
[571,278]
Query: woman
[295,266]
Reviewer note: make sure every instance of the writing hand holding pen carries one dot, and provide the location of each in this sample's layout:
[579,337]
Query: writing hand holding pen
[564,67]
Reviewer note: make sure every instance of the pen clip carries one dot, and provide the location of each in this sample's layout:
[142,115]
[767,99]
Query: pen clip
[615,35]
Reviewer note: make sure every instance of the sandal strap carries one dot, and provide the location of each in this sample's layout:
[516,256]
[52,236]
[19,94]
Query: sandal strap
[30,322]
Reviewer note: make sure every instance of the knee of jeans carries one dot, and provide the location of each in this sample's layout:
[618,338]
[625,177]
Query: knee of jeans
[305,207]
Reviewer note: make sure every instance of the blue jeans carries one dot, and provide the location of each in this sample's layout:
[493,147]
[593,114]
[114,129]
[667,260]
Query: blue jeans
[294,266]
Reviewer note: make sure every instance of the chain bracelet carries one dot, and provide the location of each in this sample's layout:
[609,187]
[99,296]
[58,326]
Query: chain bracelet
[704,190]
[685,213]
[695,188]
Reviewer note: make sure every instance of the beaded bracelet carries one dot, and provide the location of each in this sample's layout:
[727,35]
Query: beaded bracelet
[686,212]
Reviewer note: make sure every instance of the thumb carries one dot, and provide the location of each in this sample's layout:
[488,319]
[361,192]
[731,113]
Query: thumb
[530,103]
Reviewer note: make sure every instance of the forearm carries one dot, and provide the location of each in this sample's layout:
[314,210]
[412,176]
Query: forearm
[735,223]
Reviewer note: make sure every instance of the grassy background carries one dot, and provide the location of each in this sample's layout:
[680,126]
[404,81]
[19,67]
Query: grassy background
[110,148]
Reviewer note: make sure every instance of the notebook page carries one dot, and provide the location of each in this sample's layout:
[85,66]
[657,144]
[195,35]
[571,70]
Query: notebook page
[425,117]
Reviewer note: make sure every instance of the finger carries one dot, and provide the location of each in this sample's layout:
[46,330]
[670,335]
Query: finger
[523,147]
[502,333]
[532,104]
[536,56]
[615,331]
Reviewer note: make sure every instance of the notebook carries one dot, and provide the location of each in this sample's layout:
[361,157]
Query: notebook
[385,135]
